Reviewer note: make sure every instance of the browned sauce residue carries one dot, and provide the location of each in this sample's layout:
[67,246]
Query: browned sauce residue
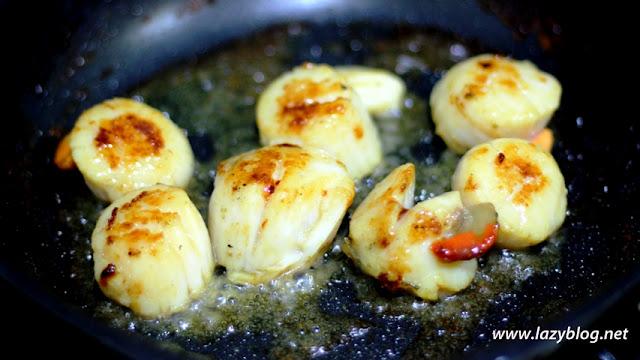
[392,278]
[127,138]
[392,283]
[107,273]
[383,242]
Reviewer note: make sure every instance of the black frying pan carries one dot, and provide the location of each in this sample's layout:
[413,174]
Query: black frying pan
[597,156]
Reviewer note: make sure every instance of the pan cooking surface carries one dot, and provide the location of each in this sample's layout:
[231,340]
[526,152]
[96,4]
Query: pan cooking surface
[332,310]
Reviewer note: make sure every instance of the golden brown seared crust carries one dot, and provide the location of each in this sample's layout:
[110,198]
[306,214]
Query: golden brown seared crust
[383,227]
[425,224]
[523,183]
[262,167]
[299,91]
[121,145]
[519,175]
[130,222]
[302,102]
[498,70]
[480,151]
[392,278]
[470,185]
[128,138]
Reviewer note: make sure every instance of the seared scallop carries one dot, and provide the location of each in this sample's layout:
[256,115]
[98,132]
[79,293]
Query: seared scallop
[314,106]
[151,251]
[407,247]
[122,145]
[524,184]
[273,210]
[381,91]
[490,96]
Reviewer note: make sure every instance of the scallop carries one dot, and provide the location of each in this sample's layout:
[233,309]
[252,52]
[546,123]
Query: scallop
[524,184]
[151,251]
[392,240]
[490,96]
[275,209]
[122,145]
[314,106]
[380,90]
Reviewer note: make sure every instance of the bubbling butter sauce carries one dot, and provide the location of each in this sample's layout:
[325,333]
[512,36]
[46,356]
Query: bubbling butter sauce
[331,308]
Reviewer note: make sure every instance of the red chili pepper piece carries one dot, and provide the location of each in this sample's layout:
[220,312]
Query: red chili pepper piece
[466,245]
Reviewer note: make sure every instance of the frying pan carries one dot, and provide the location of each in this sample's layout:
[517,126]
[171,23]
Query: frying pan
[85,52]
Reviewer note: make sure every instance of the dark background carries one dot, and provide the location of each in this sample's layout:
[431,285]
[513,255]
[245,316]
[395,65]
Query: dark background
[32,31]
